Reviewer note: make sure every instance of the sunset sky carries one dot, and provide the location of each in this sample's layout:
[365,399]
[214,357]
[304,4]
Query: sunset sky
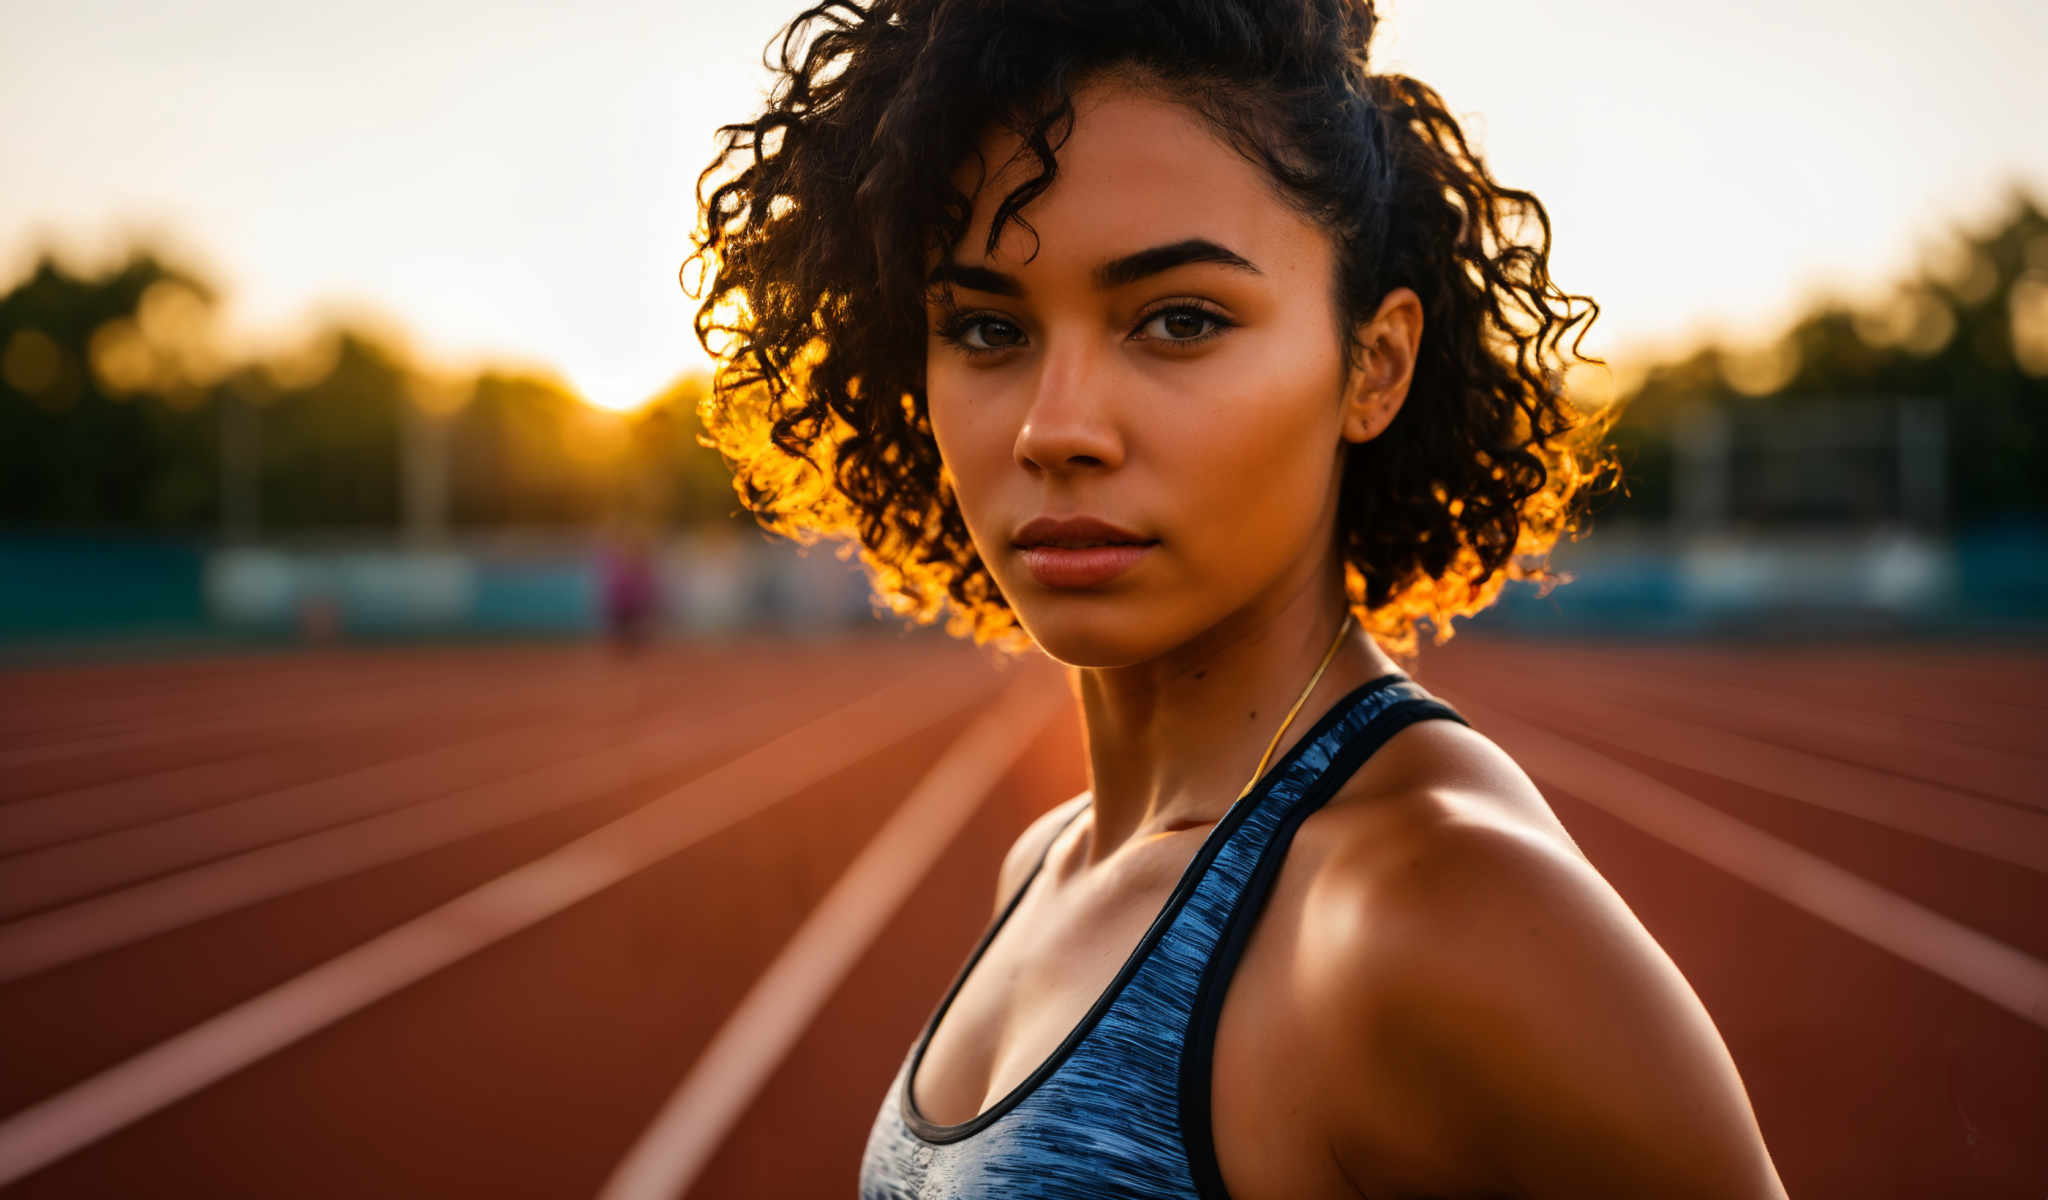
[516,182]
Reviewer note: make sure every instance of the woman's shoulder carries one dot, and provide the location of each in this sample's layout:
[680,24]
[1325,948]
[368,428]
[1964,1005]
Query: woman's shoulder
[1467,955]
[1440,842]
[1438,773]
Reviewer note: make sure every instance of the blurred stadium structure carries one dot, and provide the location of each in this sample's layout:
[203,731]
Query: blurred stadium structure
[1879,467]
[1625,581]
[1832,517]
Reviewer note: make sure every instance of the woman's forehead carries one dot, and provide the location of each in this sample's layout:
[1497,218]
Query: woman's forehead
[1138,168]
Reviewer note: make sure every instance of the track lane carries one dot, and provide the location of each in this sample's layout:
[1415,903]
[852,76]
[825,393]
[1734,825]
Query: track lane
[1957,695]
[560,750]
[1990,828]
[646,967]
[250,947]
[1894,744]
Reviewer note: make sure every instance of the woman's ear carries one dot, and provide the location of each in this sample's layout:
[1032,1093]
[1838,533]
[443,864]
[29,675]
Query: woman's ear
[1383,353]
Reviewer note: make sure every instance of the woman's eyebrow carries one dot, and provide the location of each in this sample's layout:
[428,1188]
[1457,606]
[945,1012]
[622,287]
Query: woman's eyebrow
[1116,273]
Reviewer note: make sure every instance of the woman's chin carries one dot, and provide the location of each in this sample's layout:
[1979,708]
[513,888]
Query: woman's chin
[1103,638]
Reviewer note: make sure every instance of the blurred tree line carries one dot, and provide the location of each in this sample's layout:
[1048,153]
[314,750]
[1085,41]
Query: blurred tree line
[118,412]
[1966,333]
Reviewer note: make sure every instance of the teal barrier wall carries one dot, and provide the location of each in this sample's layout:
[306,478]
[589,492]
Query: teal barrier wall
[535,595]
[60,587]
[2003,574]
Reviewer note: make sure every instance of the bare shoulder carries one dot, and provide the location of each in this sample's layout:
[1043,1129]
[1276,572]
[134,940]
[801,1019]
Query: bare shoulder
[1475,972]
[1447,759]
[1024,853]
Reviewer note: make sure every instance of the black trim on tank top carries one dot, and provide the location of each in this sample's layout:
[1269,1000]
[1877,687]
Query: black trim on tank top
[937,1134]
[1198,1053]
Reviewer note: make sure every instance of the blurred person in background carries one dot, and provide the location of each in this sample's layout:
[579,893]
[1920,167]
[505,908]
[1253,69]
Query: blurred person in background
[1168,339]
[631,596]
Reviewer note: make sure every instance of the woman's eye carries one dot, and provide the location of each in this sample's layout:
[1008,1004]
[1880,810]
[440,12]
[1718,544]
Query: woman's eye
[1183,325]
[982,335]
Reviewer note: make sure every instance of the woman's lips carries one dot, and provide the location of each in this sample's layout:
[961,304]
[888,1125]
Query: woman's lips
[1064,567]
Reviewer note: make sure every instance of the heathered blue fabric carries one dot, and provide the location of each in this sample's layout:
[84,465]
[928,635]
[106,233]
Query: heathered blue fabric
[1106,1120]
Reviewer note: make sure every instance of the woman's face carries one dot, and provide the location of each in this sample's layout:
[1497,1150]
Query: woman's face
[1170,361]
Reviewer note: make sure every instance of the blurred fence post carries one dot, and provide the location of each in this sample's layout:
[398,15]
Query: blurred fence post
[241,461]
[429,407]
[1701,480]
[1923,463]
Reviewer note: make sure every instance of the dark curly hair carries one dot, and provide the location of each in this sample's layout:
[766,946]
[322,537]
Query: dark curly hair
[818,217]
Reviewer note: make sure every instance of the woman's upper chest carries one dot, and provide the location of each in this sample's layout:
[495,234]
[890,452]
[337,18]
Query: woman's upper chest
[1070,934]
[1066,941]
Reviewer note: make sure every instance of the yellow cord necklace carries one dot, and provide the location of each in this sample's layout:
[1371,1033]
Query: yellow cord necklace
[1314,679]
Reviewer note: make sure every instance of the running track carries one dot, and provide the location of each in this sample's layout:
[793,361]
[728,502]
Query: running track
[543,921]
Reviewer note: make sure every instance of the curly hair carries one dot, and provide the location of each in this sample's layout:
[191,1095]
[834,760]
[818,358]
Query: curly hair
[818,217]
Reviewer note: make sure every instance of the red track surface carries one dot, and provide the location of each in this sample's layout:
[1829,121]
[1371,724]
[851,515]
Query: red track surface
[531,1067]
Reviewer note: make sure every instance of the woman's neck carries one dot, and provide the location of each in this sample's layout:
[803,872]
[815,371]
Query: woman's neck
[1173,741]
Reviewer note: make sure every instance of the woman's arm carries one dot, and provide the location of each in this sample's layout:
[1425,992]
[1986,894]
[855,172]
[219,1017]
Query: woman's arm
[1498,982]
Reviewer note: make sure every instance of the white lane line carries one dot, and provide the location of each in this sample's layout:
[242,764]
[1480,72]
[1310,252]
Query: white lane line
[648,747]
[784,1001]
[1958,819]
[2007,977]
[223,1044]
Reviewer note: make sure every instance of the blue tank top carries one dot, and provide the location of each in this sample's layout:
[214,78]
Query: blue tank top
[1121,1108]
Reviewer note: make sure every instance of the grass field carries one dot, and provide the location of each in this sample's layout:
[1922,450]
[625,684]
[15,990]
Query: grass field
[522,920]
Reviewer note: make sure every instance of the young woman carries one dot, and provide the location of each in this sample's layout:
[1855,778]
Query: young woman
[1166,338]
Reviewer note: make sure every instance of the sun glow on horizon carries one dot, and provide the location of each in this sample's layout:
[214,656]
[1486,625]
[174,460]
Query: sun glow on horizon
[616,402]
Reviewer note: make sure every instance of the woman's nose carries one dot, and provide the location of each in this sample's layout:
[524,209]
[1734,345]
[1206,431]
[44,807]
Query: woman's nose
[1071,422]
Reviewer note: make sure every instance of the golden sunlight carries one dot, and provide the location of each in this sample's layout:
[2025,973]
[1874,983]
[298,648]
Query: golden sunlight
[616,402]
